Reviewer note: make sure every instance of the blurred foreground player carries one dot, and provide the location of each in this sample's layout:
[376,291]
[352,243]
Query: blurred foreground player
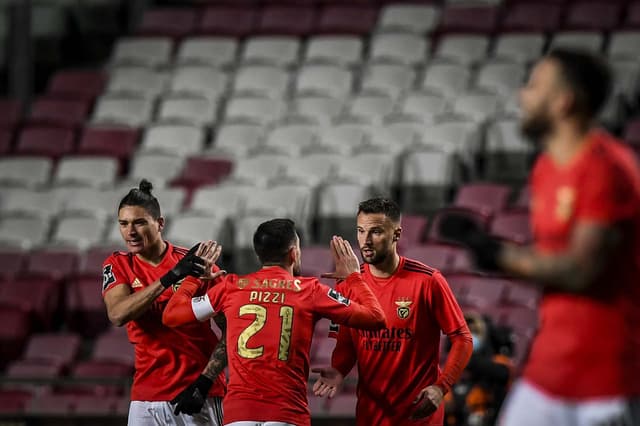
[136,287]
[399,379]
[584,364]
[271,315]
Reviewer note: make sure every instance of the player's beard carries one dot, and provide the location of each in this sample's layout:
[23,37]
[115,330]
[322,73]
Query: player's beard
[378,257]
[536,126]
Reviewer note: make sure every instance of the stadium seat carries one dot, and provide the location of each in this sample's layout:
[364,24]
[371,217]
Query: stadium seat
[323,348]
[519,48]
[88,405]
[434,233]
[502,79]
[337,203]
[462,49]
[291,139]
[51,404]
[78,232]
[13,261]
[90,171]
[387,79]
[157,168]
[235,140]
[447,80]
[312,169]
[593,16]
[286,21]
[199,81]
[261,81]
[476,106]
[426,179]
[334,50]
[224,201]
[317,405]
[317,260]
[316,109]
[405,17]
[100,370]
[274,51]
[524,198]
[217,52]
[84,85]
[259,111]
[188,230]
[52,263]
[414,229]
[13,334]
[346,20]
[483,197]
[422,107]
[19,202]
[32,369]
[187,109]
[161,139]
[535,17]
[173,22]
[323,80]
[522,294]
[447,258]
[458,136]
[142,52]
[14,402]
[91,263]
[340,139]
[118,143]
[512,226]
[57,348]
[632,17]
[10,113]
[23,232]
[136,82]
[259,169]
[199,171]
[470,19]
[52,142]
[244,257]
[523,320]
[122,111]
[403,49]
[228,21]
[92,202]
[369,108]
[587,40]
[373,169]
[343,405]
[507,154]
[113,347]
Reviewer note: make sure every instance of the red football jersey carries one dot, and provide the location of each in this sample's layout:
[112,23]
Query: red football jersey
[166,359]
[396,363]
[588,345]
[270,320]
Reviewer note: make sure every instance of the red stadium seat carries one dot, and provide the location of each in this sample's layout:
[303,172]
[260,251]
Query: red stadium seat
[36,296]
[6,139]
[469,19]
[57,348]
[414,229]
[30,369]
[513,226]
[522,294]
[228,21]
[323,350]
[317,260]
[532,17]
[51,142]
[13,333]
[113,347]
[55,264]
[114,142]
[317,405]
[66,113]
[593,16]
[524,198]
[484,292]
[12,262]
[343,405]
[347,20]
[632,17]
[85,309]
[52,404]
[89,405]
[93,259]
[83,85]
[168,22]
[101,370]
[485,198]
[10,113]
[522,320]
[447,258]
[199,171]
[13,402]
[281,20]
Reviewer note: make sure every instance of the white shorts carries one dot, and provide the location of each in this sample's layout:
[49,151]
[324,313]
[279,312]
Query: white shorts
[250,423]
[160,413]
[526,405]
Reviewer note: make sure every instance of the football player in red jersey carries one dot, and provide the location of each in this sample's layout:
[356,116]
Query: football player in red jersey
[400,382]
[584,365]
[137,284]
[271,314]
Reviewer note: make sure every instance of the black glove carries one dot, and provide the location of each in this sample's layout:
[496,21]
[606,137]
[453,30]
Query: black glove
[192,398]
[189,265]
[461,229]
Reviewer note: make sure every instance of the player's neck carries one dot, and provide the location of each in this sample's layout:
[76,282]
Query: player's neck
[288,268]
[387,267]
[566,142]
[155,253]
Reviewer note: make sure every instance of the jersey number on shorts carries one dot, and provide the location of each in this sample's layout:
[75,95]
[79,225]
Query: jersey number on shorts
[286,315]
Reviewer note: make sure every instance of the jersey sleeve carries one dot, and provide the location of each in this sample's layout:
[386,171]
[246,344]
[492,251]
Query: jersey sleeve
[344,355]
[113,274]
[184,307]
[362,312]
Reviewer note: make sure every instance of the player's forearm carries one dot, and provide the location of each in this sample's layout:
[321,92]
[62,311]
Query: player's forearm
[561,272]
[218,360]
[134,305]
[179,310]
[368,313]
[343,357]
[457,359]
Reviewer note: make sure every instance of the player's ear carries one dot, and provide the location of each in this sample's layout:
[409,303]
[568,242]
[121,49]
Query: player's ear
[396,233]
[160,221]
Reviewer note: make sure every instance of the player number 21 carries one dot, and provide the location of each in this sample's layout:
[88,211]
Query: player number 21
[286,316]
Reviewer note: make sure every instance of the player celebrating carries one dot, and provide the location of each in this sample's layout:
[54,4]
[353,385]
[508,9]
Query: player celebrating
[400,382]
[584,364]
[136,287]
[271,315]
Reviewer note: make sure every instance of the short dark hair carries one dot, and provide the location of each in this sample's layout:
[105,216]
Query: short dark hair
[380,205]
[141,196]
[588,77]
[272,240]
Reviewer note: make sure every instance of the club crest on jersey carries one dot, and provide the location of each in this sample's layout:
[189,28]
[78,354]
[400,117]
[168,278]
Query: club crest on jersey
[108,277]
[338,297]
[403,307]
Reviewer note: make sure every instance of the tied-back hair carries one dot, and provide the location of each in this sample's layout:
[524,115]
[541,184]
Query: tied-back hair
[272,240]
[141,196]
[381,205]
[588,76]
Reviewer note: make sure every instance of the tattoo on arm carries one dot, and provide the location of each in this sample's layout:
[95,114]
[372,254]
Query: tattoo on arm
[218,360]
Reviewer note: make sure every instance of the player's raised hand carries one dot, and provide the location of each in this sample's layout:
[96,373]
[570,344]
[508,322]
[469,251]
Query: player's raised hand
[344,258]
[427,402]
[189,266]
[209,252]
[329,383]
